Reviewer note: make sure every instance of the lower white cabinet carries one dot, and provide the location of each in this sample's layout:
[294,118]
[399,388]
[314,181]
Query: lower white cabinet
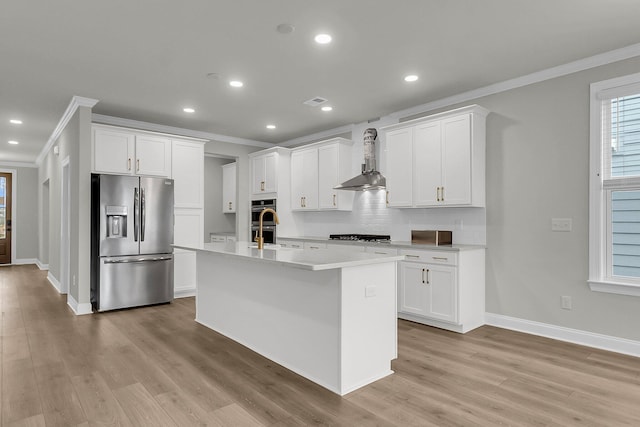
[444,289]
[294,244]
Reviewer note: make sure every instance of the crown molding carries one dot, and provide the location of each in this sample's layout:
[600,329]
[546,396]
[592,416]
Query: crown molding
[153,127]
[76,102]
[318,136]
[10,164]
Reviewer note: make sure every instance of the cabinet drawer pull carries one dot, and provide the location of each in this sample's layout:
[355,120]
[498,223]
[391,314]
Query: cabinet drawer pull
[380,253]
[440,258]
[413,256]
[314,247]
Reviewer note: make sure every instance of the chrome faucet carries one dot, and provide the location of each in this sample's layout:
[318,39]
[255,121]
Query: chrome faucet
[260,239]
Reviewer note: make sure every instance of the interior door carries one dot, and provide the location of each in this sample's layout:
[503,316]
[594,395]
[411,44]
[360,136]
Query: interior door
[5,218]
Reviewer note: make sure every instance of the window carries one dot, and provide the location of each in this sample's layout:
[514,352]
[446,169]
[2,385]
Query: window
[614,211]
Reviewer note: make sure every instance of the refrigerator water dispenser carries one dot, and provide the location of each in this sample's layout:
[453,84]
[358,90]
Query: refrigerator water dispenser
[116,221]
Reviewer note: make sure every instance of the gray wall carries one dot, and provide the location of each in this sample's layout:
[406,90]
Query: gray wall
[537,169]
[239,152]
[214,219]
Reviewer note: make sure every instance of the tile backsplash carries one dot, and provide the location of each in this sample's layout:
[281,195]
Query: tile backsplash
[370,215]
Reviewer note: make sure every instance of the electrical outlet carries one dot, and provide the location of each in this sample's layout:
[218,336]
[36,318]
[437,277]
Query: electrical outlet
[458,224]
[566,303]
[561,224]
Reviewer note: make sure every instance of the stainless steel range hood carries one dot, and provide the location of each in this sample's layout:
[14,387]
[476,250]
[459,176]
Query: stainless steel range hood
[370,178]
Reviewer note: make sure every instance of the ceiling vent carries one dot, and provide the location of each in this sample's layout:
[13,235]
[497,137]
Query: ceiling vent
[314,102]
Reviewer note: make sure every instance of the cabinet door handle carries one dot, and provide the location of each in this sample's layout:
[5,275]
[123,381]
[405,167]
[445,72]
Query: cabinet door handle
[387,198]
[334,200]
[438,194]
[230,204]
[427,276]
[137,165]
[129,164]
[423,280]
[261,185]
[442,194]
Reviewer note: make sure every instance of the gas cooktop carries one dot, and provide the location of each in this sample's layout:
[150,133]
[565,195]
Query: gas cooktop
[361,237]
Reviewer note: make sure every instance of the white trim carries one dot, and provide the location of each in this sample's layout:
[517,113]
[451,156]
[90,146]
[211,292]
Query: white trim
[78,309]
[23,261]
[54,282]
[319,135]
[614,287]
[575,336]
[184,292]
[76,102]
[18,164]
[42,266]
[175,131]
[65,255]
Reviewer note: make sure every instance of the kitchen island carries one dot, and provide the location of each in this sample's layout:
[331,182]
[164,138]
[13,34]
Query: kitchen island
[328,316]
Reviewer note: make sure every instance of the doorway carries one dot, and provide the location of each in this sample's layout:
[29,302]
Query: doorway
[5,217]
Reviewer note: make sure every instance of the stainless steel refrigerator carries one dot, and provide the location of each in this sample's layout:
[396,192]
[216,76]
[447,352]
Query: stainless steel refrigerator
[131,238]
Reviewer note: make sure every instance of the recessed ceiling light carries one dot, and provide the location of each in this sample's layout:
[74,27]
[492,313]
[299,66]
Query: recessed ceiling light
[271,126]
[323,38]
[327,108]
[188,110]
[236,83]
[16,121]
[13,142]
[411,78]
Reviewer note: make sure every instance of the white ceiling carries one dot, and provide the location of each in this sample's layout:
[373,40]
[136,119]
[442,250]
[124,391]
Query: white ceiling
[147,59]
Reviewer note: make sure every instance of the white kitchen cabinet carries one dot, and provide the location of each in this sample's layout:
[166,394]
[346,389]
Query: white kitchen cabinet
[381,250]
[437,160]
[317,168]
[304,179]
[122,151]
[444,289]
[334,167]
[229,188]
[293,244]
[188,174]
[264,173]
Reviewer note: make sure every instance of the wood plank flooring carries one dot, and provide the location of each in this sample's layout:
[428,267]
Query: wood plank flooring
[155,366]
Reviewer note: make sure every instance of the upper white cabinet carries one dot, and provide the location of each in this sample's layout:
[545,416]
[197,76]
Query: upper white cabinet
[124,151]
[264,176]
[437,160]
[304,179]
[317,168]
[229,188]
[188,174]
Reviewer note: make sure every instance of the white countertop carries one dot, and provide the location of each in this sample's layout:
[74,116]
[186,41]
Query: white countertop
[393,244]
[311,259]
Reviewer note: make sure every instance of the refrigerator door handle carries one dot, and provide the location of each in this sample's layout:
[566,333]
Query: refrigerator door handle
[142,214]
[135,214]
[127,261]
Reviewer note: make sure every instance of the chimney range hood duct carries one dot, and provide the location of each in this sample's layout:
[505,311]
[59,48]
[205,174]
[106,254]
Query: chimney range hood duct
[370,178]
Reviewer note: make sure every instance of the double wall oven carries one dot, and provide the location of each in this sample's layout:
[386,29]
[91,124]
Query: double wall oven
[268,221]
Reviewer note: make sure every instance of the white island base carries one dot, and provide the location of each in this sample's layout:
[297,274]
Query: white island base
[336,326]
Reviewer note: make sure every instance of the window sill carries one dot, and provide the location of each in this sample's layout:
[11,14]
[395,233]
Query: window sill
[619,288]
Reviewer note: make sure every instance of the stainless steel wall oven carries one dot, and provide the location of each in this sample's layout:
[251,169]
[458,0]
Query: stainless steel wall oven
[268,221]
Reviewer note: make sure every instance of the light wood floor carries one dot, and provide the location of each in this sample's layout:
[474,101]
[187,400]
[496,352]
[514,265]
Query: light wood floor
[155,366]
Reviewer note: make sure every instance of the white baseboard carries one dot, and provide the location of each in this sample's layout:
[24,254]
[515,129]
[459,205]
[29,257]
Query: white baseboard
[54,282]
[184,292]
[78,309]
[22,261]
[42,266]
[576,336]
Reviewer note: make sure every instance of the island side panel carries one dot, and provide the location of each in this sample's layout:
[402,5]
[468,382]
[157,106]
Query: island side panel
[288,315]
[369,324]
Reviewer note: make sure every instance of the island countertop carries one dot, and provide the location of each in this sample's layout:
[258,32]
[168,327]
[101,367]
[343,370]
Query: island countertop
[316,259]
